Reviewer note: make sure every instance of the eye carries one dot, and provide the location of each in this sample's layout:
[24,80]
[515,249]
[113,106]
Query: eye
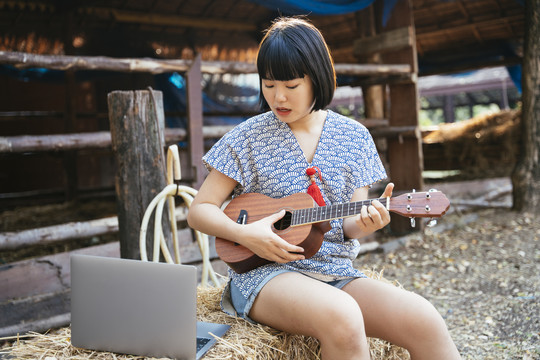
[292,87]
[268,86]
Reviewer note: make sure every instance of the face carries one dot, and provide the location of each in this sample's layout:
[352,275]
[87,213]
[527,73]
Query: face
[290,100]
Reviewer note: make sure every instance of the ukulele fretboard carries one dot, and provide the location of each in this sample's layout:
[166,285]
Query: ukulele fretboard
[329,212]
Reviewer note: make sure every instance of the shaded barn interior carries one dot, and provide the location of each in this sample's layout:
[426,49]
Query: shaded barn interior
[82,43]
[449,36]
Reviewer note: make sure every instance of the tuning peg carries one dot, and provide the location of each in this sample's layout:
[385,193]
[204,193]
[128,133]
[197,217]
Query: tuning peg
[413,222]
[432,222]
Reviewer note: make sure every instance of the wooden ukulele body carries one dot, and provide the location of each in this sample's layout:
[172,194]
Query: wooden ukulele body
[258,206]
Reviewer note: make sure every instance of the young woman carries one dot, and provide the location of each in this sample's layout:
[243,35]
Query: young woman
[323,296]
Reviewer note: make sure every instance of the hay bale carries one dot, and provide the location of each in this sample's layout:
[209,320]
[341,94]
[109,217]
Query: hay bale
[484,146]
[243,341]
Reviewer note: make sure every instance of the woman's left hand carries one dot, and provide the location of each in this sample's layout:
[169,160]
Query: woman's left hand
[371,218]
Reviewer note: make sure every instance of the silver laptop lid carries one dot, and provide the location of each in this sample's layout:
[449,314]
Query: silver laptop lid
[133,307]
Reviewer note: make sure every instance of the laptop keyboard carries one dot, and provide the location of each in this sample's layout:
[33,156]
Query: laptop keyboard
[201,342]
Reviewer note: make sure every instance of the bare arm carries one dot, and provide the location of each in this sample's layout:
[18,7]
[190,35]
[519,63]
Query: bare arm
[205,215]
[371,218]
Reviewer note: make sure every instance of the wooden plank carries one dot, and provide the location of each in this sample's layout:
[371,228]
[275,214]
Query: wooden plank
[57,233]
[64,232]
[53,142]
[44,275]
[195,117]
[397,132]
[391,40]
[424,35]
[372,69]
[157,66]
[90,140]
[50,274]
[69,159]
[36,293]
[102,139]
[137,120]
[169,20]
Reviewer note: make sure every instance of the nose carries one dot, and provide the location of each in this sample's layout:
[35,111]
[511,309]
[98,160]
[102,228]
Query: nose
[280,95]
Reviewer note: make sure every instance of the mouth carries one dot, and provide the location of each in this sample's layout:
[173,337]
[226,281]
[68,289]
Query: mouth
[283,111]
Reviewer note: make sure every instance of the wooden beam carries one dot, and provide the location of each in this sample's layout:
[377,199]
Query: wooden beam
[372,69]
[102,139]
[64,232]
[384,42]
[195,122]
[422,34]
[125,16]
[156,66]
[96,140]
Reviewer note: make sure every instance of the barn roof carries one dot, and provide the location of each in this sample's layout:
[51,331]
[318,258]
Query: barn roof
[450,35]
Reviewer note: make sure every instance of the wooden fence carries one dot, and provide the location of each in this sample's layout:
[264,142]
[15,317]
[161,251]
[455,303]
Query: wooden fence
[35,292]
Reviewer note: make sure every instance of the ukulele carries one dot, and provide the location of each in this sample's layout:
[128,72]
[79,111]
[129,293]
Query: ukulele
[304,223]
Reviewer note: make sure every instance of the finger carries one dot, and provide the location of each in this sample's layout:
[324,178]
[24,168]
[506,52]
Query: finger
[364,216]
[277,216]
[288,247]
[381,209]
[388,190]
[374,214]
[284,256]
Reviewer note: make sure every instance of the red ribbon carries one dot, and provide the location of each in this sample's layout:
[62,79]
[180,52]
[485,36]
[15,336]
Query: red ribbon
[313,189]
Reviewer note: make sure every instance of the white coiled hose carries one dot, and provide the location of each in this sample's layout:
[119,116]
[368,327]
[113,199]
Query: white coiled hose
[167,194]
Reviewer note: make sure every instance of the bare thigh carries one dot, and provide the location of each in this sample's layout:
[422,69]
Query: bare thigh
[297,304]
[402,318]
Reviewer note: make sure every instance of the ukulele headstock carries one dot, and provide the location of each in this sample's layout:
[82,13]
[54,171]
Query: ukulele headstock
[430,204]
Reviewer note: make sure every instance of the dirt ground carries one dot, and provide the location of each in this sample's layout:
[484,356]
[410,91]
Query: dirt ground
[482,272]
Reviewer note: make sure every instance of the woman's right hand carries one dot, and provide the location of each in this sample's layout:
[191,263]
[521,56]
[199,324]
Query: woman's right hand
[205,215]
[261,240]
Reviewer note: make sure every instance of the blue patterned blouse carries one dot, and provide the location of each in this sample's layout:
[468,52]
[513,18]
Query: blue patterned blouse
[263,156]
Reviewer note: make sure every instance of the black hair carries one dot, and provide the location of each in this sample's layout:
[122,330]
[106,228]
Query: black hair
[292,48]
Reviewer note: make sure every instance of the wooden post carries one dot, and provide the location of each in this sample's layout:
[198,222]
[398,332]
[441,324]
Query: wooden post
[374,99]
[404,154]
[526,187]
[137,121]
[449,109]
[70,157]
[195,121]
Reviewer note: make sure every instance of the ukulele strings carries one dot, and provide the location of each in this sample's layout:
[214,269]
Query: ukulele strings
[329,212]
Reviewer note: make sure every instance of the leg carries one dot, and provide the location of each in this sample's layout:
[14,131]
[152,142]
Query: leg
[297,304]
[402,318]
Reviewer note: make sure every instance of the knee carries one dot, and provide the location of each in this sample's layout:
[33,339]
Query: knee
[344,326]
[428,335]
[428,322]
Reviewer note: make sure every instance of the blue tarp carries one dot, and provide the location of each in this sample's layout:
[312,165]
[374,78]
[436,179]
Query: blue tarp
[323,7]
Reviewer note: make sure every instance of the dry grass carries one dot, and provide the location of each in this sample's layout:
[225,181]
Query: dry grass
[486,144]
[243,341]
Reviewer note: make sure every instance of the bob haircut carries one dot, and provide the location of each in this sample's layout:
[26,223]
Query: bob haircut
[292,48]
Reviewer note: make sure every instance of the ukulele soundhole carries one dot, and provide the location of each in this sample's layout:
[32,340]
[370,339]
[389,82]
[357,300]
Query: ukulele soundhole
[284,223]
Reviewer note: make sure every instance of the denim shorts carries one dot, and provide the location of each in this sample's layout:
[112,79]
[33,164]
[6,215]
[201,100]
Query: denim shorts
[233,299]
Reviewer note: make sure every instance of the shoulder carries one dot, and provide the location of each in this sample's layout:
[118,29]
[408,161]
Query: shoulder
[246,130]
[261,122]
[346,125]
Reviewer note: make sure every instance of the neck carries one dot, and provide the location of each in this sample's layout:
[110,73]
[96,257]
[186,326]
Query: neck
[310,123]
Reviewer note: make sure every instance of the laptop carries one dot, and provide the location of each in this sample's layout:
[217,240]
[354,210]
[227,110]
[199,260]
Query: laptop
[138,308]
